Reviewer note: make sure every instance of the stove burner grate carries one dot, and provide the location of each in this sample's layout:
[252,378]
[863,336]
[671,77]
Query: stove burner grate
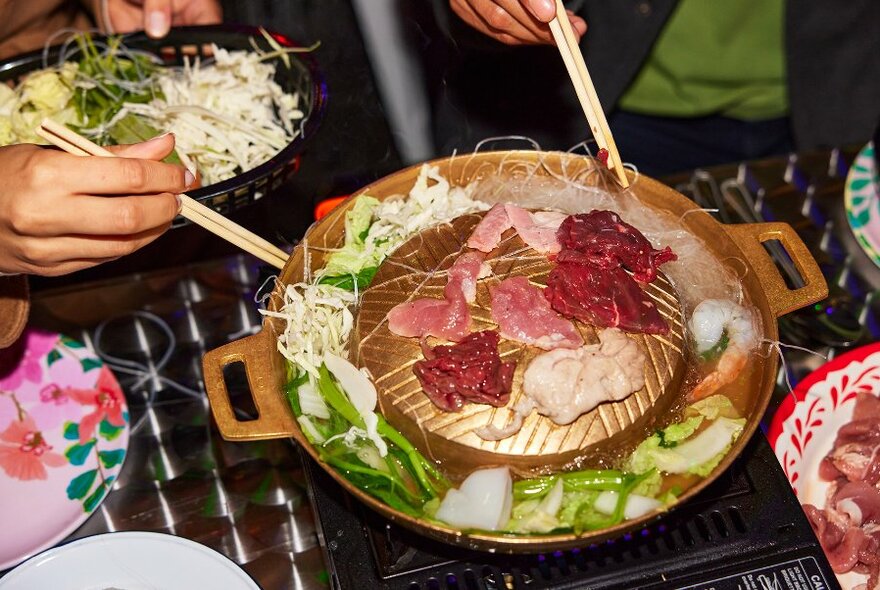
[746,520]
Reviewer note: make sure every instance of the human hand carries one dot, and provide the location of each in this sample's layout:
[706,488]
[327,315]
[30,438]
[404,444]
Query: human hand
[514,22]
[61,213]
[156,17]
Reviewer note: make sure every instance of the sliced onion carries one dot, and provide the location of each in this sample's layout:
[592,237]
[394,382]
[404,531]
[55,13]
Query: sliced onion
[361,393]
[483,501]
[359,389]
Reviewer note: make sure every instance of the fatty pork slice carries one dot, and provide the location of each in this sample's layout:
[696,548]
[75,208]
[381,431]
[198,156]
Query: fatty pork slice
[448,318]
[464,273]
[565,383]
[487,235]
[603,239]
[605,298]
[538,229]
[859,501]
[524,314]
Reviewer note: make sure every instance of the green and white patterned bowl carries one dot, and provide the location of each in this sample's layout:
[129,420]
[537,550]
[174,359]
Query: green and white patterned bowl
[862,200]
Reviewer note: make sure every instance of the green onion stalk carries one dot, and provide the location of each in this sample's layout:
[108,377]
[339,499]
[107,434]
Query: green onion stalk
[407,481]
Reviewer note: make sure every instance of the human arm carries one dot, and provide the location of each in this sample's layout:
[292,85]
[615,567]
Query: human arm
[14,308]
[514,22]
[61,213]
[156,17]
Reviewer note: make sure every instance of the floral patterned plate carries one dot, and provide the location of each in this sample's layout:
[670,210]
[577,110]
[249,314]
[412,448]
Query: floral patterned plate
[804,428]
[63,437]
[862,202]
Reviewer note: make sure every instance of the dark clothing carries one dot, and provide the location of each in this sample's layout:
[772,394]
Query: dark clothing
[486,89]
[663,145]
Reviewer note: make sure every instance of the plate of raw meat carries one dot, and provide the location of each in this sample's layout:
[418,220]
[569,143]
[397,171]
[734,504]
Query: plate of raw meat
[827,437]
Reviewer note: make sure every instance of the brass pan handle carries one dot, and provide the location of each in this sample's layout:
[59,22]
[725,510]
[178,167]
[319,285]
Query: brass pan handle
[750,238]
[261,362]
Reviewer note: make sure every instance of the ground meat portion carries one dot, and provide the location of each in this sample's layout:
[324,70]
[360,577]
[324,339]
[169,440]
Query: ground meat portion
[605,298]
[603,239]
[470,371]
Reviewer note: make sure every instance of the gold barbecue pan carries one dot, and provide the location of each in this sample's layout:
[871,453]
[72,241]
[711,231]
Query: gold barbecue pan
[444,438]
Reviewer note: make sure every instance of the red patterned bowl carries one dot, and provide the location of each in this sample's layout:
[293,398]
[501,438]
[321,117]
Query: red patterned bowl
[805,426]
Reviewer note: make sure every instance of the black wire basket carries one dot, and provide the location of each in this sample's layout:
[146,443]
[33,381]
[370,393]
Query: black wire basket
[303,77]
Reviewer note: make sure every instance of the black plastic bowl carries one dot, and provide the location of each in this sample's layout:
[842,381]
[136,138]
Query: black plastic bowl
[303,77]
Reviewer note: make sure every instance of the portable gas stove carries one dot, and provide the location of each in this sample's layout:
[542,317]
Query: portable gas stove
[746,531]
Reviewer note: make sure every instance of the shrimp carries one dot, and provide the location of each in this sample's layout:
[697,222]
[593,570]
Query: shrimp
[711,320]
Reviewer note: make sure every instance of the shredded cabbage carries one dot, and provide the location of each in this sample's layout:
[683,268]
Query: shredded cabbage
[317,321]
[227,117]
[430,202]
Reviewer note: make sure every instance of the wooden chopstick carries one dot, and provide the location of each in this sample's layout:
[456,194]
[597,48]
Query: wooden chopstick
[586,92]
[75,144]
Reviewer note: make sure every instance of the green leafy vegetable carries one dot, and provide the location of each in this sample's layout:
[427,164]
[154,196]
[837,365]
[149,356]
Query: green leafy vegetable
[133,129]
[106,83]
[581,491]
[292,391]
[671,435]
[588,518]
[358,260]
[361,279]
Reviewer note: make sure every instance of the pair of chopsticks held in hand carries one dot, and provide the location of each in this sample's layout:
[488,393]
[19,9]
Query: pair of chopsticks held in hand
[73,143]
[567,43]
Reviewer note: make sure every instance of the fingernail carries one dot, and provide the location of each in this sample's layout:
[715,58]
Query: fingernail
[544,10]
[157,24]
[179,203]
[189,178]
[158,137]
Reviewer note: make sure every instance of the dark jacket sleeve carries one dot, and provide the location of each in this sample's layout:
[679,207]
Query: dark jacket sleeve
[14,307]
[833,51]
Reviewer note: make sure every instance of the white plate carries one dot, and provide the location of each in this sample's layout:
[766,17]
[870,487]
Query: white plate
[129,561]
